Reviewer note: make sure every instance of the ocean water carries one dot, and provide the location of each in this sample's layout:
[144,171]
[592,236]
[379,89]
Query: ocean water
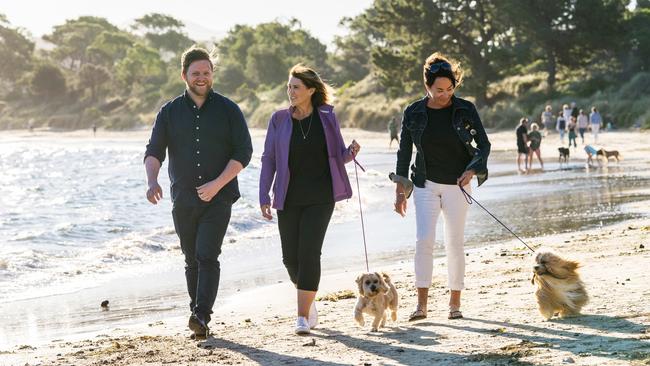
[73,215]
[74,224]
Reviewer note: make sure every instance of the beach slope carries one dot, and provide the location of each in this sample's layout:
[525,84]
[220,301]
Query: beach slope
[501,324]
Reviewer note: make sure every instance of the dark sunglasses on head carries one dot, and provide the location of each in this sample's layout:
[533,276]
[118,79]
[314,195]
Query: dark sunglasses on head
[437,66]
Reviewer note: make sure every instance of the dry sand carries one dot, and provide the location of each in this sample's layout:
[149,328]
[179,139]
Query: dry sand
[501,324]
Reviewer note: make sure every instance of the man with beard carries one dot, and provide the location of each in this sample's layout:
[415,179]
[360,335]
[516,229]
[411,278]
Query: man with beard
[208,143]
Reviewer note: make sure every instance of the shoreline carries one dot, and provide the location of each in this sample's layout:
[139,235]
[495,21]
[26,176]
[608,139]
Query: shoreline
[269,309]
[501,324]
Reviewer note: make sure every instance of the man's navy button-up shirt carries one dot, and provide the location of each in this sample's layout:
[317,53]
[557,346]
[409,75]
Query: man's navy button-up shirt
[201,142]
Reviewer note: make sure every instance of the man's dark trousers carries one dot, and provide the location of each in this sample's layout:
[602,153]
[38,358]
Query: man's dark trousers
[201,231]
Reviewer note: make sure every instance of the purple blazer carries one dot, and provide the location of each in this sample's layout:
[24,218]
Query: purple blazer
[275,158]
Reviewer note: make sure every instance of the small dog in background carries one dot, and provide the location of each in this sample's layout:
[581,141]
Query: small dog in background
[377,295]
[611,153]
[560,291]
[564,154]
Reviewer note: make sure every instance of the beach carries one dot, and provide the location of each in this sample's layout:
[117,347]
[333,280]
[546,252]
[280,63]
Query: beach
[253,322]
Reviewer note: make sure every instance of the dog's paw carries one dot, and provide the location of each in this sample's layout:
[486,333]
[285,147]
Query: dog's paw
[358,317]
[374,329]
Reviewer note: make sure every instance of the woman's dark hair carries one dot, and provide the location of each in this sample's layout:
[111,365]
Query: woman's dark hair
[438,65]
[192,54]
[311,79]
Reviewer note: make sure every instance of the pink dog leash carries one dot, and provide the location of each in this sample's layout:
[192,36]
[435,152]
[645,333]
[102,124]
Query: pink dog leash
[363,228]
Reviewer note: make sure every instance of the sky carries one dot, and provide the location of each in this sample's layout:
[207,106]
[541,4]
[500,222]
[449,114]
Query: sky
[204,20]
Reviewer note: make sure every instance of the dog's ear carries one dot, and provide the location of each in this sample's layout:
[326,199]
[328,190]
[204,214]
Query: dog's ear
[386,277]
[571,266]
[360,284]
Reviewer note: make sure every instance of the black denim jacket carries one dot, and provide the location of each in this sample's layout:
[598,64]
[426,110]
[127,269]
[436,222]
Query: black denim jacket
[467,125]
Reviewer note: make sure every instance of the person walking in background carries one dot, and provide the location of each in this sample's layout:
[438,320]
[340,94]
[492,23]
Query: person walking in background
[208,143]
[574,110]
[393,129]
[560,126]
[547,119]
[442,127]
[566,113]
[583,124]
[571,127]
[595,120]
[535,139]
[522,144]
[304,156]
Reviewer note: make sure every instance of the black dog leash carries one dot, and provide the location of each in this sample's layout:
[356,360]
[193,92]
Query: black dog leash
[471,200]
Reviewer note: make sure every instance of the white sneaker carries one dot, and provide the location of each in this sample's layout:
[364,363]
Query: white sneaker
[302,326]
[313,316]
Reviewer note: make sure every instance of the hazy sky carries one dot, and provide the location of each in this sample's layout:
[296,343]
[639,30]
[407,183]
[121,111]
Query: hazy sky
[203,19]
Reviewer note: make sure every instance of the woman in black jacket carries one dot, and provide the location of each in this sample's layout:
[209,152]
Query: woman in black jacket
[452,147]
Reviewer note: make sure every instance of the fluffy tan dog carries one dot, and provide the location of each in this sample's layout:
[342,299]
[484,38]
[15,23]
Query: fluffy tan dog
[376,296]
[560,291]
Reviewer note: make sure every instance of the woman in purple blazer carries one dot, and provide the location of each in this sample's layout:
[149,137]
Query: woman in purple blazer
[305,153]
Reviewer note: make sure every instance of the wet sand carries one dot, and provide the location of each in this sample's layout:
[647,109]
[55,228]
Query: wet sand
[501,324]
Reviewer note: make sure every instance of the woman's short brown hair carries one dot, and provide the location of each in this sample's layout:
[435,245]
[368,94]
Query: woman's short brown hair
[453,72]
[311,79]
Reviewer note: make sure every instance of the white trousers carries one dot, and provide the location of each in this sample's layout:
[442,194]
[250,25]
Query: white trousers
[595,127]
[430,201]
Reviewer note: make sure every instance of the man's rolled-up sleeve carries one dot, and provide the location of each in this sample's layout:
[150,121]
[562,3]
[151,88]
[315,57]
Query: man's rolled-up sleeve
[157,145]
[240,137]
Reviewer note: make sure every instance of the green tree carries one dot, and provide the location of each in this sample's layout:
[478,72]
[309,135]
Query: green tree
[265,65]
[163,32]
[229,76]
[566,32]
[141,65]
[404,32]
[16,51]
[109,47]
[48,81]
[638,29]
[230,71]
[74,37]
[643,4]
[351,57]
[264,54]
[93,77]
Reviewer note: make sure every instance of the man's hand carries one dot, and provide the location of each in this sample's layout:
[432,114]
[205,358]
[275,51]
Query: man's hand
[466,178]
[207,191]
[400,200]
[154,193]
[266,212]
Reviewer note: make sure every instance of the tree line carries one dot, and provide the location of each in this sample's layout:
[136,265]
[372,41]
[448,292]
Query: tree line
[92,69]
